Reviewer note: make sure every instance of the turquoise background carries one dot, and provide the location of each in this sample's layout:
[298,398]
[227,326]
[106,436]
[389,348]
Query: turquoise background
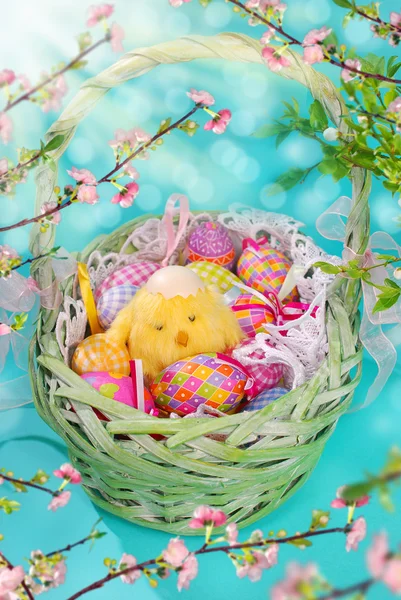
[213,171]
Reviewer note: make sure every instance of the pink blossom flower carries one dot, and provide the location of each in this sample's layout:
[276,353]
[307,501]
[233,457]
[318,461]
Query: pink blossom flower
[392,575]
[82,176]
[348,75]
[127,561]
[297,575]
[54,217]
[10,580]
[267,36]
[313,54]
[141,135]
[205,516]
[87,193]
[59,573]
[1,478]
[7,76]
[59,501]
[67,471]
[117,34]
[131,137]
[274,60]
[130,171]
[376,556]
[24,81]
[339,502]
[219,125]
[395,19]
[356,534]
[55,92]
[99,12]
[261,560]
[231,533]
[177,3]
[175,553]
[6,128]
[188,571]
[395,105]
[201,97]
[276,5]
[126,198]
[3,166]
[32,284]
[4,330]
[316,35]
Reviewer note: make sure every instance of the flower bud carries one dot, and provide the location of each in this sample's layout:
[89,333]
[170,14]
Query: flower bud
[331,134]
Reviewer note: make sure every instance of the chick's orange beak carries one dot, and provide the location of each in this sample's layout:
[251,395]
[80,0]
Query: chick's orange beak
[182,338]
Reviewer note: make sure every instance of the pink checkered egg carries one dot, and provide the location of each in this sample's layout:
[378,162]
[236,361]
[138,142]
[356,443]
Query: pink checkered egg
[263,269]
[136,274]
[112,301]
[117,387]
[211,379]
[265,375]
[211,241]
[252,314]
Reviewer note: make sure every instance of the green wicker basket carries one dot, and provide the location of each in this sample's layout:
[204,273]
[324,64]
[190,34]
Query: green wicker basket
[158,484]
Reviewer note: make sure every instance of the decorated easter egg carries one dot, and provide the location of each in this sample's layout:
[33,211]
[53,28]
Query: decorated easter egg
[97,353]
[215,275]
[112,301]
[262,268]
[118,387]
[210,379]
[136,274]
[265,375]
[265,398]
[211,241]
[252,314]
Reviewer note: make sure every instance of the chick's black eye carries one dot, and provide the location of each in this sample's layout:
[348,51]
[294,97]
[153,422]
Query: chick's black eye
[191,318]
[159,327]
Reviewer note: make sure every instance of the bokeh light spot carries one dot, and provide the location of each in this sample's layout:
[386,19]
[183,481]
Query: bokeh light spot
[149,198]
[218,15]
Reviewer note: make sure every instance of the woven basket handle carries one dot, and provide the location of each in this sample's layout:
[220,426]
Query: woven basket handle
[228,46]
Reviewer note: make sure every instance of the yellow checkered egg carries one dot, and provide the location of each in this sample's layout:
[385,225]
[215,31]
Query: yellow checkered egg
[264,269]
[215,275]
[97,353]
[209,379]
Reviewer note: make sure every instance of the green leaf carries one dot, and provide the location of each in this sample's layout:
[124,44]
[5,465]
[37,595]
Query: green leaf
[386,256]
[385,302]
[54,143]
[286,181]
[357,490]
[390,95]
[343,3]
[318,118]
[300,543]
[327,167]
[205,3]
[78,65]
[385,499]
[165,124]
[269,130]
[393,285]
[320,519]
[281,137]
[392,66]
[327,267]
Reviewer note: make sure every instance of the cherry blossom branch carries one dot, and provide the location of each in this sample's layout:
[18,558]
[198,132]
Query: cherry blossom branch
[362,587]
[29,484]
[23,584]
[56,74]
[106,177]
[296,42]
[378,20]
[19,167]
[206,549]
[33,259]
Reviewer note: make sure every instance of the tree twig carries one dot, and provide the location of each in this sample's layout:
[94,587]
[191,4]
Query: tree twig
[29,484]
[25,587]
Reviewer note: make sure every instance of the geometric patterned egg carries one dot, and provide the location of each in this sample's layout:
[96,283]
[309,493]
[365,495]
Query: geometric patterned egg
[136,273]
[203,379]
[252,313]
[112,301]
[263,269]
[265,398]
[211,241]
[97,353]
[216,275]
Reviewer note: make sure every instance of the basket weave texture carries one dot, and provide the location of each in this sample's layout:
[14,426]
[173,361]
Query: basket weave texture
[253,461]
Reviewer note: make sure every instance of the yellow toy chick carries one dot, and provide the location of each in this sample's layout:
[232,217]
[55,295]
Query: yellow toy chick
[174,316]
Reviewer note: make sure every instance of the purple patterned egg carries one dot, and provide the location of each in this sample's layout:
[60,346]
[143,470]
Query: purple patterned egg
[265,398]
[136,273]
[211,379]
[210,241]
[112,301]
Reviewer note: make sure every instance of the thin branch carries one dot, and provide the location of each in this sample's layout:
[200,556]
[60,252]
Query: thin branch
[379,21]
[296,42]
[25,587]
[51,78]
[70,547]
[31,260]
[105,179]
[4,176]
[361,587]
[29,484]
[207,550]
